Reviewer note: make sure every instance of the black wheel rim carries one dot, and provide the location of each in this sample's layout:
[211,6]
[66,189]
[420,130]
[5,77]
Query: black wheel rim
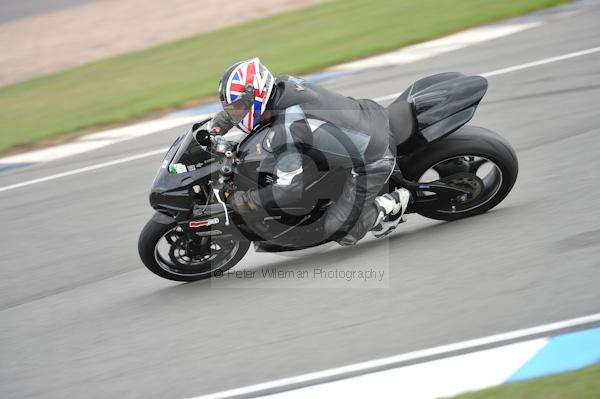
[480,175]
[176,255]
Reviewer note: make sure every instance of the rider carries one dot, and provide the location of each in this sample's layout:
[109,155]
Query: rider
[354,134]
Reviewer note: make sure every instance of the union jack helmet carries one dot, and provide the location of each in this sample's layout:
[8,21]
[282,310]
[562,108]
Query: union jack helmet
[244,90]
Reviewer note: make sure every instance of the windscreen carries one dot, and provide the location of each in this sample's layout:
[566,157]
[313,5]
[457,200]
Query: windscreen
[189,154]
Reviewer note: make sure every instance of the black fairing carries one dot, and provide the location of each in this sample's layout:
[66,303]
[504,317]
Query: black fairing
[172,192]
[440,105]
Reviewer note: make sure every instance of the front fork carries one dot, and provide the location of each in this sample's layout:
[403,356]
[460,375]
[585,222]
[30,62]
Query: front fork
[224,176]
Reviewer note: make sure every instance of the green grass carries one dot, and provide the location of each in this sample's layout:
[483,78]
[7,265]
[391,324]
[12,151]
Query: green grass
[580,384]
[170,75]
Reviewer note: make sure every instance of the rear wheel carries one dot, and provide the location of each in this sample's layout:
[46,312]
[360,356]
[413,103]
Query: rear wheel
[166,251]
[473,158]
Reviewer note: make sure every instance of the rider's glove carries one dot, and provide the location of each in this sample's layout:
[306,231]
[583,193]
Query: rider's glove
[220,124]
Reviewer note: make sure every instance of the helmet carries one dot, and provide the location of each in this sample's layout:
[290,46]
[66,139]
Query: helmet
[244,90]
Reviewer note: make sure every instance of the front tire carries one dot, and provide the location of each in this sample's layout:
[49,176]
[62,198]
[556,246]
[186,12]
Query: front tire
[478,146]
[177,267]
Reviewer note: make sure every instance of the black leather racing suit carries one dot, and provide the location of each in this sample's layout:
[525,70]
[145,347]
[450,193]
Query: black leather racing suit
[353,134]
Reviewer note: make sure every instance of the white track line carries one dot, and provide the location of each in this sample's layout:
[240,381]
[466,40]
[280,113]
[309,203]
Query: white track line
[101,139]
[398,360]
[383,98]
[84,169]
[516,68]
[540,62]
[435,47]
[451,375]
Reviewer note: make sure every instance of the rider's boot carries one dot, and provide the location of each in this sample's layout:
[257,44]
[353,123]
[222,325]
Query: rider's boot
[391,208]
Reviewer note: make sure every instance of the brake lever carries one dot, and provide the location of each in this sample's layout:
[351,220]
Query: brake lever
[217,193]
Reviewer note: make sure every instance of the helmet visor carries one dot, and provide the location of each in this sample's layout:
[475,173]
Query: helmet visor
[238,109]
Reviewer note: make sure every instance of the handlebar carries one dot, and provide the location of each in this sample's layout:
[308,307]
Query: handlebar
[220,145]
[225,149]
[227,167]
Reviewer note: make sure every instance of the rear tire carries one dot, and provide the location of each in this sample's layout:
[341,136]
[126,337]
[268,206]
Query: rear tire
[469,140]
[151,235]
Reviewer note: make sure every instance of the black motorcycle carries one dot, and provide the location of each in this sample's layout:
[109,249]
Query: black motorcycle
[453,171]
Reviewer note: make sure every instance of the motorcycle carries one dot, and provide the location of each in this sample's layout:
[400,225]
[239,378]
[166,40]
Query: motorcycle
[452,170]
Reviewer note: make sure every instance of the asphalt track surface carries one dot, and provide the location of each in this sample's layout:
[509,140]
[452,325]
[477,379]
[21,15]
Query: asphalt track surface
[81,317]
[11,10]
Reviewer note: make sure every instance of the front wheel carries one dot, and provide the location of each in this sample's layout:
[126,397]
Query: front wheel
[474,158]
[166,252]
